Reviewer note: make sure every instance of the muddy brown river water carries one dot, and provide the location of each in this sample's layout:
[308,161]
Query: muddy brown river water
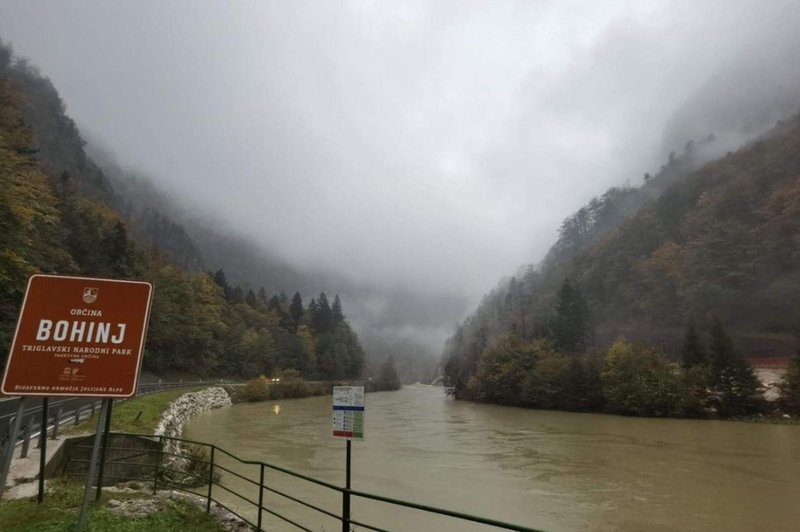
[543,469]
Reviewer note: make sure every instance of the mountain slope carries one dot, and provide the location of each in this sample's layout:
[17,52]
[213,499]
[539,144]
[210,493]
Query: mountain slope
[60,213]
[721,241]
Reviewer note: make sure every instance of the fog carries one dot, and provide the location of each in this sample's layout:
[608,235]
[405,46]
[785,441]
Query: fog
[434,146]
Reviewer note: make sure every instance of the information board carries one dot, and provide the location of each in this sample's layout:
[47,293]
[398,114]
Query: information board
[78,336]
[348,412]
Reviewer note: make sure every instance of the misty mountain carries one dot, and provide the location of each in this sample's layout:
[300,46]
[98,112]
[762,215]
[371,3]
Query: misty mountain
[690,245]
[740,102]
[60,213]
[401,322]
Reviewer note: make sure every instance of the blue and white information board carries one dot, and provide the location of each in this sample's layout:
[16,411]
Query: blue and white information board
[348,412]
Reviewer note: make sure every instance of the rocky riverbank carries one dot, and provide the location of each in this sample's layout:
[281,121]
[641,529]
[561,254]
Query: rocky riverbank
[187,406]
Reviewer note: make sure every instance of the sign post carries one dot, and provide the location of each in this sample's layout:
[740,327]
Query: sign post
[348,422]
[79,337]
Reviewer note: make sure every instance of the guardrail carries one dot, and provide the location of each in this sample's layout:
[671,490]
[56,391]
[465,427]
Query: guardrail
[209,473]
[63,411]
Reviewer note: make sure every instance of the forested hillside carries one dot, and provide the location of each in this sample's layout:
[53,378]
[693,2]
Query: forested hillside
[59,213]
[715,246]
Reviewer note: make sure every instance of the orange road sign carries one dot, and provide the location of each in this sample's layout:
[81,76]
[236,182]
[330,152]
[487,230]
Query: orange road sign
[79,336]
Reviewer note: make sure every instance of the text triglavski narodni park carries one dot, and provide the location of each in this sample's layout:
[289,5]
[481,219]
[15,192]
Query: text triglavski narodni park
[79,336]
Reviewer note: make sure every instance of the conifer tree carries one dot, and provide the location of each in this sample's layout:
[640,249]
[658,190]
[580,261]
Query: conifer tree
[324,317]
[338,313]
[572,328]
[222,282]
[296,310]
[250,298]
[692,352]
[733,383]
[790,386]
[274,305]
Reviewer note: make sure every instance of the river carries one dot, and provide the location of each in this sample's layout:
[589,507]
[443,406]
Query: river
[544,469]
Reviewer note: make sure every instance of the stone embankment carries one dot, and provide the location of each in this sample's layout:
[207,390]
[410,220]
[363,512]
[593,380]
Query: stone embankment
[185,407]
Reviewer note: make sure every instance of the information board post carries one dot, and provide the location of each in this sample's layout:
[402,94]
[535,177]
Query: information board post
[348,422]
[346,495]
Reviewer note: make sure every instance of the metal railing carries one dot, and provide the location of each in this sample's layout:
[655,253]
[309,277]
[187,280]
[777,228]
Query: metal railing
[206,474]
[65,410]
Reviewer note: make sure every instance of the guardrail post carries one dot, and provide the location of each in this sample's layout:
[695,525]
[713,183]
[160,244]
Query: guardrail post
[77,416]
[93,407]
[260,496]
[26,438]
[56,422]
[210,478]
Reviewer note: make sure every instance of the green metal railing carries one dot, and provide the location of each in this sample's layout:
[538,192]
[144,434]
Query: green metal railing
[159,470]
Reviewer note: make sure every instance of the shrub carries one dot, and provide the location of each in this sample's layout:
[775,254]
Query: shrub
[639,381]
[256,389]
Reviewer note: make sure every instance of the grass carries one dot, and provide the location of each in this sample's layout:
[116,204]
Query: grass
[60,511]
[124,415]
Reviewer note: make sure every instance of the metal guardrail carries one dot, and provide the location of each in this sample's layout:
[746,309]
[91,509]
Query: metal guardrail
[211,476]
[63,411]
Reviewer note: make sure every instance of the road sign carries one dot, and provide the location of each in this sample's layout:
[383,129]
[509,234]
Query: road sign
[79,336]
[348,412]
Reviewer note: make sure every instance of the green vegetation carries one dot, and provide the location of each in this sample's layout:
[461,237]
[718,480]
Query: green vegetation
[790,387]
[59,213]
[386,379]
[711,247]
[288,385]
[61,506]
[126,417]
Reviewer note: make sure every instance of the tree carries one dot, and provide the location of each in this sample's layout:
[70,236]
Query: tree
[639,381]
[572,327]
[387,378]
[503,368]
[790,385]
[219,278]
[274,305]
[250,298]
[734,385]
[322,319]
[692,352]
[296,310]
[337,312]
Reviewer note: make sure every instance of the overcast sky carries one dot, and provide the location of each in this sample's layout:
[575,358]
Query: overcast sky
[437,144]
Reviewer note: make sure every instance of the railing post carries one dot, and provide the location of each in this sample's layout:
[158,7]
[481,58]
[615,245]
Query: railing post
[158,463]
[94,404]
[260,496]
[77,416]
[56,423]
[26,438]
[210,478]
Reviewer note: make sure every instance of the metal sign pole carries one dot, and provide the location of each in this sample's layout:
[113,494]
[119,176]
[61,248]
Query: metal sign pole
[103,449]
[43,448]
[12,443]
[346,498]
[87,492]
